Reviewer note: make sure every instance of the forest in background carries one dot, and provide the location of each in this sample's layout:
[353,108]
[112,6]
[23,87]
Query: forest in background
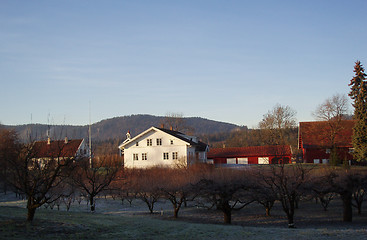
[108,134]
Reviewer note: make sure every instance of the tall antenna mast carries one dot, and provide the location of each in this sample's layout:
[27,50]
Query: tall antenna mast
[90,137]
[48,126]
[29,131]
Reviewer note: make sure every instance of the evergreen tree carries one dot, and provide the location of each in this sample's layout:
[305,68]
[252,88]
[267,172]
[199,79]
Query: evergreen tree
[358,94]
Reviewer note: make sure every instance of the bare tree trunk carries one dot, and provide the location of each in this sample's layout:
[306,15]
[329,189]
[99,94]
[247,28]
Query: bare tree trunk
[31,209]
[175,212]
[288,204]
[30,214]
[227,213]
[91,202]
[358,197]
[268,206]
[150,206]
[347,206]
[290,221]
[359,209]
[267,210]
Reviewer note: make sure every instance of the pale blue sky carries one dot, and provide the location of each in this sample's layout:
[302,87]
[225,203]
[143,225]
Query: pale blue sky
[223,60]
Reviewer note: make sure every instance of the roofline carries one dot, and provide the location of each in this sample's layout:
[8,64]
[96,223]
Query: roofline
[137,136]
[344,120]
[160,130]
[146,131]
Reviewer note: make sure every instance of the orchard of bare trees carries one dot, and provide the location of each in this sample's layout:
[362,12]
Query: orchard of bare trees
[225,190]
[229,190]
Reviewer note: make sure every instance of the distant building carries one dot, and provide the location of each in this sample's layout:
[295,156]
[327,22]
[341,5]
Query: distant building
[314,141]
[237,156]
[59,149]
[162,147]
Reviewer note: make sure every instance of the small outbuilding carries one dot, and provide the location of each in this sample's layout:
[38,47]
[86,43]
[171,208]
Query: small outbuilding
[236,156]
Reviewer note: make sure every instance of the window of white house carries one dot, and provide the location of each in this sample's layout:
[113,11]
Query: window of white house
[144,156]
[149,142]
[175,155]
[171,142]
[165,156]
[242,160]
[231,160]
[137,144]
[135,157]
[263,160]
[159,141]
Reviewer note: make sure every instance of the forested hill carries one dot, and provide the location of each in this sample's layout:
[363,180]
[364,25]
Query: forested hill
[116,128]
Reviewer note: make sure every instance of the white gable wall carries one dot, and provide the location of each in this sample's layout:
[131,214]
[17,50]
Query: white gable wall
[155,153]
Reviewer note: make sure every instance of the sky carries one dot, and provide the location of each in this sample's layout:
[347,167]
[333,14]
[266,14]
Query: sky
[72,62]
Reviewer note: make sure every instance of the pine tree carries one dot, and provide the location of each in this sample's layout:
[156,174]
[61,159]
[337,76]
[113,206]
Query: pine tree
[358,94]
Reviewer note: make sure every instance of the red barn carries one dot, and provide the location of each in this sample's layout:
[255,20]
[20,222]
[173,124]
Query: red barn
[250,155]
[315,144]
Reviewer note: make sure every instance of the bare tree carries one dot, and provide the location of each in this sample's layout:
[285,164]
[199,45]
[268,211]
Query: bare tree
[227,189]
[146,185]
[42,182]
[287,182]
[277,123]
[262,192]
[9,149]
[92,180]
[176,122]
[319,186]
[358,196]
[346,183]
[177,187]
[334,108]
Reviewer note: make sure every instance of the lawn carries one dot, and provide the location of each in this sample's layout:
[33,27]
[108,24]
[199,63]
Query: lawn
[115,221]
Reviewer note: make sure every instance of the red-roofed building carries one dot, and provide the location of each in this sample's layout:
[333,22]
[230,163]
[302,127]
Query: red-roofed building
[60,149]
[250,155]
[315,144]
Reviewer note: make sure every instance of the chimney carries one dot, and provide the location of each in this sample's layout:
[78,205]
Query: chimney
[171,128]
[48,140]
[66,140]
[128,135]
[162,125]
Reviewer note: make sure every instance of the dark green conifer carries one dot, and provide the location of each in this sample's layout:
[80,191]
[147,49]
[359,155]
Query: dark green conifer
[358,94]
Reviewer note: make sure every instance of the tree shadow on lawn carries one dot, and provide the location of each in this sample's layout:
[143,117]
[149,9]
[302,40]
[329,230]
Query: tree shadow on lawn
[14,226]
[309,215]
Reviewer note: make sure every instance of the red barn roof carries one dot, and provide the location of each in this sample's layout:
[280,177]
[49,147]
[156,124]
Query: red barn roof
[254,151]
[58,148]
[317,134]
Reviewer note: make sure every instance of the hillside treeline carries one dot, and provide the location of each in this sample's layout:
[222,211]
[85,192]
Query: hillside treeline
[116,128]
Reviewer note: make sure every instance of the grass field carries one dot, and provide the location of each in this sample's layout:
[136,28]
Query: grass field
[114,221]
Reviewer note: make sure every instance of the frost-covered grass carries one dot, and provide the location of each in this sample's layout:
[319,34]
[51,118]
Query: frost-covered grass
[79,225]
[112,220]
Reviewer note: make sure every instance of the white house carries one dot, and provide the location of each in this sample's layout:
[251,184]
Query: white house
[162,147]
